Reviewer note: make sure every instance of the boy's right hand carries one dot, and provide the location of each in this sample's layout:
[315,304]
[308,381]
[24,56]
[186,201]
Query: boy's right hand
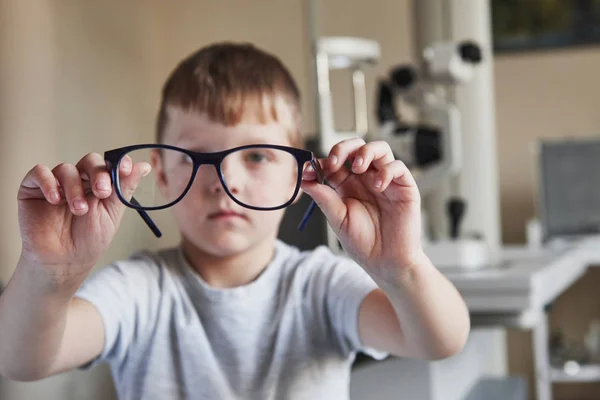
[69,215]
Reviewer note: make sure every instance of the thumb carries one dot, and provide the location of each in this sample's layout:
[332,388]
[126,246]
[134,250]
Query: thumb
[329,201]
[128,184]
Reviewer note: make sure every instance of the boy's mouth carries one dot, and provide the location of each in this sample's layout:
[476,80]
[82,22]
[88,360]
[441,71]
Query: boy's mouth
[226,214]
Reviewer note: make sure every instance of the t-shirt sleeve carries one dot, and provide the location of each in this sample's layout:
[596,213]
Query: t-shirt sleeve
[346,286]
[123,293]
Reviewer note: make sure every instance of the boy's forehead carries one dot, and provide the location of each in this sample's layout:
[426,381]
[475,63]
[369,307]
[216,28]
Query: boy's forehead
[180,120]
[192,128]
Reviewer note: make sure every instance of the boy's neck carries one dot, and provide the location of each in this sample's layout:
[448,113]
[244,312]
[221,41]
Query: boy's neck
[233,271]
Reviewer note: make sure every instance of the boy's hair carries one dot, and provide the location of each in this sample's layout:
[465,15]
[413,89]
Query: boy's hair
[226,81]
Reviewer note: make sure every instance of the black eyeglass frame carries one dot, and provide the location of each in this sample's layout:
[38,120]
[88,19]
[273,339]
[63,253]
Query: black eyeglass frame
[114,157]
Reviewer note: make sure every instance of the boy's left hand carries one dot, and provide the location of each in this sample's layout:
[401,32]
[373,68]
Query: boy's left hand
[375,209]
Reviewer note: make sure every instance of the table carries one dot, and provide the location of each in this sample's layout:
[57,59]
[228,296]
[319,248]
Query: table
[516,291]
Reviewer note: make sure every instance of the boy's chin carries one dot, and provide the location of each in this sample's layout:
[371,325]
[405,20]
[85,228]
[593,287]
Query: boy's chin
[227,249]
[226,245]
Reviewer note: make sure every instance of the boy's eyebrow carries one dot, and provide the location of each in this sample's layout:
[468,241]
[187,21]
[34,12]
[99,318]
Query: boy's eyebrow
[191,145]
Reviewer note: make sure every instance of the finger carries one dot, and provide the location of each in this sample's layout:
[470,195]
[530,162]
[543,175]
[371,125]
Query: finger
[129,184]
[337,178]
[72,186]
[125,166]
[38,183]
[334,180]
[309,173]
[126,186]
[341,152]
[92,167]
[328,201]
[378,154]
[396,172]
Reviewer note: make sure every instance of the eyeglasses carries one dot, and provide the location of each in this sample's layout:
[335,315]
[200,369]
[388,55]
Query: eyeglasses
[259,176]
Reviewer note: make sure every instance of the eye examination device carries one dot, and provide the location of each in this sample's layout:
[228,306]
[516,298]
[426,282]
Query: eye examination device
[429,144]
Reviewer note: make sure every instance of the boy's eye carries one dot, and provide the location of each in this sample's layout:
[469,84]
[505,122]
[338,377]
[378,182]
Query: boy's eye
[255,157]
[185,159]
[176,159]
[181,160]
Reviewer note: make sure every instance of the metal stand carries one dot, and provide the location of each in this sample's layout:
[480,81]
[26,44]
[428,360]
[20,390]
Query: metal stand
[333,53]
[541,354]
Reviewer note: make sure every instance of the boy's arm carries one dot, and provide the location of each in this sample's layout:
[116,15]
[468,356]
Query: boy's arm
[373,204]
[45,330]
[418,314]
[68,216]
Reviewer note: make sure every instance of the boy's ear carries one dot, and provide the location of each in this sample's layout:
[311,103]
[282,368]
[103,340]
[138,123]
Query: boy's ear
[156,163]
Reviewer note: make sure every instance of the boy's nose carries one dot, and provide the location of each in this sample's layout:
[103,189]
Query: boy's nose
[229,176]
[207,180]
[215,185]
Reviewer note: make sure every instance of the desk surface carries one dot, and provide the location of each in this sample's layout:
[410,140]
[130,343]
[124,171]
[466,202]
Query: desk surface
[525,279]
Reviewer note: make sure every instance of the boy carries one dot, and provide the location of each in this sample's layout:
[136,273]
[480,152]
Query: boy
[232,312]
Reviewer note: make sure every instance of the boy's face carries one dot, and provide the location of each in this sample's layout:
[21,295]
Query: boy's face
[207,216]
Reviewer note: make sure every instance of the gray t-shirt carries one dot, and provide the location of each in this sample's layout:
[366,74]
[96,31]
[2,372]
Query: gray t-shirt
[292,333]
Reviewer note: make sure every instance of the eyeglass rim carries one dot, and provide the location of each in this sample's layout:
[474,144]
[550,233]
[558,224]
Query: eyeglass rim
[114,157]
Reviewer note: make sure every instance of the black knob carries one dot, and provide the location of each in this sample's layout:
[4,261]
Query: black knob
[456,210]
[428,145]
[386,110]
[403,76]
[470,52]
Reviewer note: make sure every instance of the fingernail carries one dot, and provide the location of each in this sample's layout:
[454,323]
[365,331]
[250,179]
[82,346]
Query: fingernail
[79,204]
[333,160]
[102,186]
[146,170]
[54,196]
[125,165]
[378,183]
[358,161]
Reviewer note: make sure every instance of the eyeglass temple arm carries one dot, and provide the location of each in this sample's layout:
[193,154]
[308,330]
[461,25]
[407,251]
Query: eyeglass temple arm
[142,213]
[313,204]
[307,215]
[146,218]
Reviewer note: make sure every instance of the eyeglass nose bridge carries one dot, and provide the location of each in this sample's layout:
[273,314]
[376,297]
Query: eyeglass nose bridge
[212,159]
[200,159]
[205,159]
